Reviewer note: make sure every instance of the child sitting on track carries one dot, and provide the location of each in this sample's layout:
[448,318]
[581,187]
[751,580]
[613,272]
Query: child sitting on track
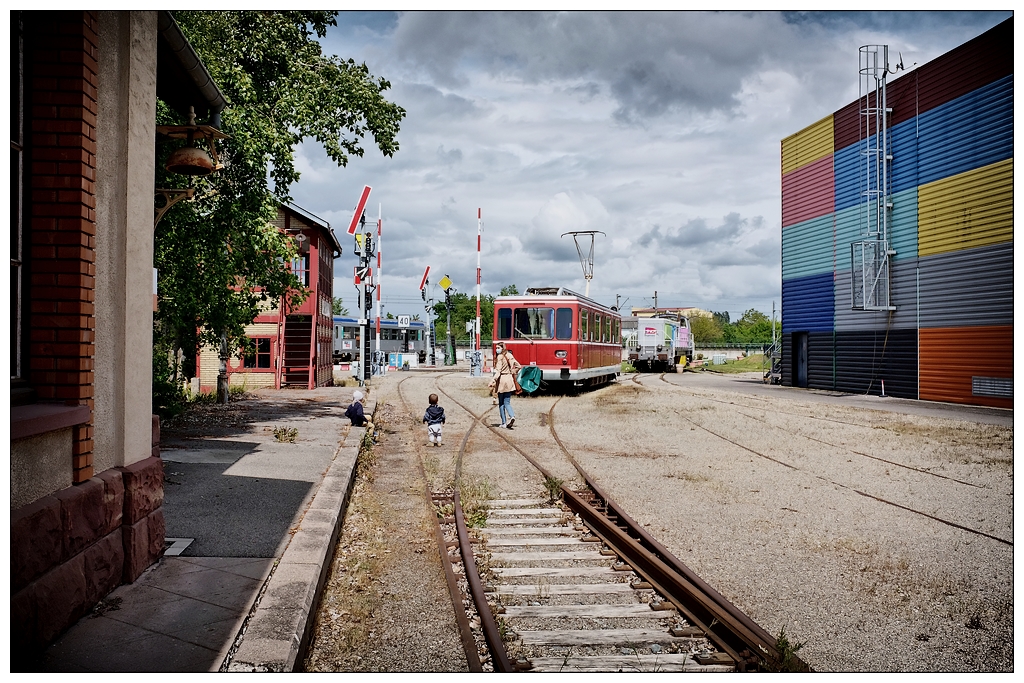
[355,412]
[434,417]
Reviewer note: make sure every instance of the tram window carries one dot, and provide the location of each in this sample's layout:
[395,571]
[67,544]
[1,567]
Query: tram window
[597,328]
[504,323]
[533,323]
[563,323]
[607,329]
[584,325]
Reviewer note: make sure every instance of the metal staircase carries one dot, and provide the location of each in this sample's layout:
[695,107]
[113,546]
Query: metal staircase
[297,351]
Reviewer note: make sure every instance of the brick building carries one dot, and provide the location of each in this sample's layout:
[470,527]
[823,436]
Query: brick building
[86,477]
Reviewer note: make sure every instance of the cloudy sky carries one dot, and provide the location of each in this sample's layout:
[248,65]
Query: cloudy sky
[662,130]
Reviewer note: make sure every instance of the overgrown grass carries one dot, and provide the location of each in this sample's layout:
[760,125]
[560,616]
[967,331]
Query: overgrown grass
[553,485]
[751,363]
[474,494]
[286,434]
[789,663]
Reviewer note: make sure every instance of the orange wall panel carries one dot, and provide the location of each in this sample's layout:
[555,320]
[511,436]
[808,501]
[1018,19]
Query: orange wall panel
[951,356]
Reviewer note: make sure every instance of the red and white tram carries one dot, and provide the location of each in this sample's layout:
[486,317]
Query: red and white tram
[571,338]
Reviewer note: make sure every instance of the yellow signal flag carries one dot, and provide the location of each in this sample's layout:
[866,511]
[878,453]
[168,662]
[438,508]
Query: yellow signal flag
[445,282]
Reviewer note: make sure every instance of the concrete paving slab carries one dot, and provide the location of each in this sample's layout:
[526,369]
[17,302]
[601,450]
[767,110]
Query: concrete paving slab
[264,515]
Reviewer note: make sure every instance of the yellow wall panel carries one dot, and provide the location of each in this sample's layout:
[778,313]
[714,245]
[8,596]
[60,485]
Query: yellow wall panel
[967,210]
[810,144]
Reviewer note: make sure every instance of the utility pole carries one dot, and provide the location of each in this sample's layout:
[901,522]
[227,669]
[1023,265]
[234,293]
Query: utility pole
[378,360]
[655,302]
[479,232]
[449,348]
[363,276]
[424,284]
[364,285]
[476,363]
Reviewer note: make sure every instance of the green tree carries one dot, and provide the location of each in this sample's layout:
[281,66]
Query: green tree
[219,259]
[337,308]
[464,311]
[705,330]
[509,290]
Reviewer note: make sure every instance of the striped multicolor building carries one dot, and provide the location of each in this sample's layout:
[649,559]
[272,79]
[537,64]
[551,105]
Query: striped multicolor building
[950,337]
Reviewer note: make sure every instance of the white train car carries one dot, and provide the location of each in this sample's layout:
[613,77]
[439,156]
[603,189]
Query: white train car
[408,341]
[657,344]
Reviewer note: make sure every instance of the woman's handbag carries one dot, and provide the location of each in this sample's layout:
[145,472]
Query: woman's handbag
[515,379]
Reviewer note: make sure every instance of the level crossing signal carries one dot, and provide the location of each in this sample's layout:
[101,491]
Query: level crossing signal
[362,275]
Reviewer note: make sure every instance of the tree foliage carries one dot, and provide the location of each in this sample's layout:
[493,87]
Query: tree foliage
[218,257]
[754,327]
[705,330]
[464,311]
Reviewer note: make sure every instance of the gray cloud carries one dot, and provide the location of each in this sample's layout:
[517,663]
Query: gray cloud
[660,129]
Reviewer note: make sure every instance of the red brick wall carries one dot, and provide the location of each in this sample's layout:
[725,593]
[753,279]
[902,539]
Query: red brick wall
[62,79]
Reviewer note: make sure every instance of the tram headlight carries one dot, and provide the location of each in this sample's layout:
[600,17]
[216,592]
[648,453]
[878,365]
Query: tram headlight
[561,354]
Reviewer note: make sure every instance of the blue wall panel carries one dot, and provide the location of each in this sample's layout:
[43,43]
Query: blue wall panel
[969,132]
[851,223]
[807,248]
[850,166]
[972,131]
[808,304]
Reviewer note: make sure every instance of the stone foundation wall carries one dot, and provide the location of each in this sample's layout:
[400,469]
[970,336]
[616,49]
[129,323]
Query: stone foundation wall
[71,548]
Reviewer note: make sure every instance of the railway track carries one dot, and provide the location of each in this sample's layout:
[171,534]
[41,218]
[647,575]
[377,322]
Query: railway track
[572,583]
[830,479]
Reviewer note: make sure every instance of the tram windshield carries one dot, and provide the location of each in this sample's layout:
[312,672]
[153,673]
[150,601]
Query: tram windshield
[533,323]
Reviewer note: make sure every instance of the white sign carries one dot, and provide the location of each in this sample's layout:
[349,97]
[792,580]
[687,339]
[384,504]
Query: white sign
[403,321]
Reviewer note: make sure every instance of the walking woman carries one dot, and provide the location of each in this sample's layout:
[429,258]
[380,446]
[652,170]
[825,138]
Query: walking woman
[506,366]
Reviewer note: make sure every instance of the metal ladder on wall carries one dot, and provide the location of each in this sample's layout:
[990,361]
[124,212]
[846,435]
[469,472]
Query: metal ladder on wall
[870,256]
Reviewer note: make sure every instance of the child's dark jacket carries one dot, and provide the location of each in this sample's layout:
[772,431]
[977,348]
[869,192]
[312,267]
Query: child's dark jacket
[434,415]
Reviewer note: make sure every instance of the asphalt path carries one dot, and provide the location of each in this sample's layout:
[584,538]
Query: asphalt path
[752,383]
[234,487]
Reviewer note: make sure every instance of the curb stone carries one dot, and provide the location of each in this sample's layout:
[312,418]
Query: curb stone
[276,636]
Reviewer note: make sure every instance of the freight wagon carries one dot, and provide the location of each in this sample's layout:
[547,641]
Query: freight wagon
[657,344]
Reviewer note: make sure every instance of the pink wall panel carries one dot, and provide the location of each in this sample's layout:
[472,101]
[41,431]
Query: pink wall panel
[808,192]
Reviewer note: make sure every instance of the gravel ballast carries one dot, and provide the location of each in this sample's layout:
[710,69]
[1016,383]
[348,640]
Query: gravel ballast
[877,532]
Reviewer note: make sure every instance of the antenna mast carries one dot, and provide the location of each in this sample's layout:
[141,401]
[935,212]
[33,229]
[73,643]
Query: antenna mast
[587,261]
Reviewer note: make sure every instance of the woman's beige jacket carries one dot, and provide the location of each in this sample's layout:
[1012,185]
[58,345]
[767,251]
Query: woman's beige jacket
[507,366]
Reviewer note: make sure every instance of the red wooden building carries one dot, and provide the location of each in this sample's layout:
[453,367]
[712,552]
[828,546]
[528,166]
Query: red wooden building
[291,347]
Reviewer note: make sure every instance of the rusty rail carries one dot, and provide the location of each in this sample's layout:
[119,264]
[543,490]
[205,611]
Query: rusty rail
[476,589]
[465,631]
[722,622]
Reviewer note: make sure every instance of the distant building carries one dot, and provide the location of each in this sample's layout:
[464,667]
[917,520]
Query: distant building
[291,347]
[929,313]
[686,311]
